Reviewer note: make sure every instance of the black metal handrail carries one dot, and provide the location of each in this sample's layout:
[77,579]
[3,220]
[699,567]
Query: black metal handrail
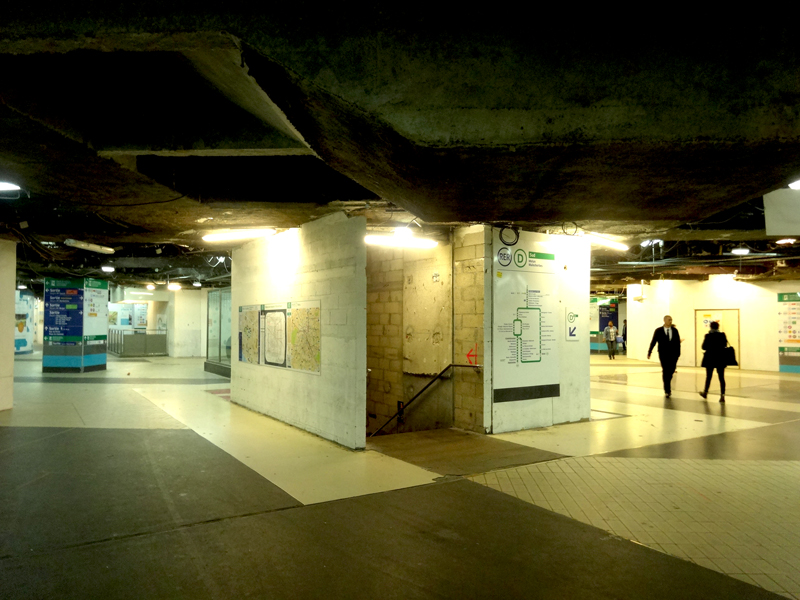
[402,406]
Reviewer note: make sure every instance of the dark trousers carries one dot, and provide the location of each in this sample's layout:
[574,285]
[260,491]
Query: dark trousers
[667,371]
[611,347]
[720,374]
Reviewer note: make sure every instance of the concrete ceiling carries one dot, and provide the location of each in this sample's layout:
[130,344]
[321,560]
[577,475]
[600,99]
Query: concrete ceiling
[142,128]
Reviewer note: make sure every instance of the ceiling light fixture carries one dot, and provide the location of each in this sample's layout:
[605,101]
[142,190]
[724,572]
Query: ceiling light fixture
[88,246]
[150,286]
[140,293]
[786,241]
[230,235]
[599,240]
[741,251]
[402,237]
[174,287]
[795,185]
[107,269]
[197,284]
[6,186]
[22,286]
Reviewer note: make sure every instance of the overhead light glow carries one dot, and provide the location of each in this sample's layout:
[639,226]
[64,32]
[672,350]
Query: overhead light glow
[599,240]
[795,185]
[230,235]
[740,251]
[22,286]
[786,241]
[150,286]
[6,186]
[107,269]
[402,237]
[88,246]
[173,287]
[197,284]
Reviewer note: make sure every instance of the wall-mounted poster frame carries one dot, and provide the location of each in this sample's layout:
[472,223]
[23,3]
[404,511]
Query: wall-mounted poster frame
[286,335]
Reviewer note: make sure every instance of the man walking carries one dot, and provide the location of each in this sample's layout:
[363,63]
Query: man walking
[669,350]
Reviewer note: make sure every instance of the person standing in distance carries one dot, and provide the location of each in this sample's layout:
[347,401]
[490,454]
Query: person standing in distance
[713,344]
[625,335]
[669,350]
[610,336]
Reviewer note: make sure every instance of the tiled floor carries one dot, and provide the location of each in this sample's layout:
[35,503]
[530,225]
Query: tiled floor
[738,517]
[715,485]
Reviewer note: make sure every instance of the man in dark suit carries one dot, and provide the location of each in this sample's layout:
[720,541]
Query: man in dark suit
[669,349]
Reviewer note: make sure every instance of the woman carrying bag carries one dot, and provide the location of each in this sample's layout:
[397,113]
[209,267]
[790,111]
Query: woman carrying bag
[715,357]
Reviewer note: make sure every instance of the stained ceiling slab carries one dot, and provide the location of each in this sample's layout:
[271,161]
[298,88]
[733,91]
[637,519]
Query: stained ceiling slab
[160,120]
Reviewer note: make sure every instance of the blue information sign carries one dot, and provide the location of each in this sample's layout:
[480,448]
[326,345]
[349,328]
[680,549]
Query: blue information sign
[63,311]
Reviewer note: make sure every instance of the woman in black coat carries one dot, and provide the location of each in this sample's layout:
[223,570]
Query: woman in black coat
[714,344]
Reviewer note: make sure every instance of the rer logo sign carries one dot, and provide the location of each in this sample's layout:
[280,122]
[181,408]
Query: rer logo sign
[504,257]
[572,330]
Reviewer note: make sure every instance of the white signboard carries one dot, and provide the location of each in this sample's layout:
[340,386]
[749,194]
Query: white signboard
[140,316]
[525,319]
[95,312]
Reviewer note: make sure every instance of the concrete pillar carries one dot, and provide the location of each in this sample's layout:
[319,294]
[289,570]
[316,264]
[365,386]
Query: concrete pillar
[8,283]
[185,323]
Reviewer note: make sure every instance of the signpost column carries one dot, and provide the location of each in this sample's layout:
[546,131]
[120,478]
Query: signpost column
[75,325]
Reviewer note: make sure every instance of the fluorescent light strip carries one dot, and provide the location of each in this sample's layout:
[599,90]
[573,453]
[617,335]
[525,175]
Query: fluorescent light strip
[6,186]
[88,246]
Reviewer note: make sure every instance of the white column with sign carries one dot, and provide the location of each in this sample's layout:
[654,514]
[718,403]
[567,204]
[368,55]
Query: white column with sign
[538,333]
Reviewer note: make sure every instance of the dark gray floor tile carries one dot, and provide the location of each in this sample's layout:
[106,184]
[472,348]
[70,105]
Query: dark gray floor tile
[452,540]
[68,486]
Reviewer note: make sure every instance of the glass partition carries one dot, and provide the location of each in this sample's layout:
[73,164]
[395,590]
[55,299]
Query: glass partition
[225,327]
[219,326]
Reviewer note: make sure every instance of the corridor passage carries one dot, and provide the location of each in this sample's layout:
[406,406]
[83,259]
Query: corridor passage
[145,481]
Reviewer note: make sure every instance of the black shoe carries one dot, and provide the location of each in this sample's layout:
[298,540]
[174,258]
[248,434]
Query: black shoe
[704,395]
[668,394]
[722,398]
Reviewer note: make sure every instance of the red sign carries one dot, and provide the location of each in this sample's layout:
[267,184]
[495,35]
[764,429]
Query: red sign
[473,354]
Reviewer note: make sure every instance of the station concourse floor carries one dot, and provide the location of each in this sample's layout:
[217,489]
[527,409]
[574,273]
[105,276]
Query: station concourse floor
[145,481]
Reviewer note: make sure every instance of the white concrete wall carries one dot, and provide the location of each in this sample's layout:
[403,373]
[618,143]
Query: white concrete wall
[573,256]
[185,323]
[156,310]
[758,316]
[324,260]
[8,284]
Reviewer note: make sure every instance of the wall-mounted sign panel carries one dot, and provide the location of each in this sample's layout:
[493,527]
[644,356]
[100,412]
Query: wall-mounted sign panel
[789,333]
[285,335]
[23,322]
[572,329]
[525,320]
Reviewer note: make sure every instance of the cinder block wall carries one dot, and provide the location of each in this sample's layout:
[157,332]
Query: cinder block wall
[384,333]
[468,304]
[324,260]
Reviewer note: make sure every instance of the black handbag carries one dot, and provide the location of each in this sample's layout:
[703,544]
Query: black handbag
[729,357]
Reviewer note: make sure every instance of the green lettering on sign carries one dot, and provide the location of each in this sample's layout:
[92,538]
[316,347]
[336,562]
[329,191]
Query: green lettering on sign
[98,284]
[541,256]
[791,297]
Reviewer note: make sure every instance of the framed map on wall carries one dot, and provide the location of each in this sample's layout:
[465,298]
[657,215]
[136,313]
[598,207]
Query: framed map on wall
[285,335]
